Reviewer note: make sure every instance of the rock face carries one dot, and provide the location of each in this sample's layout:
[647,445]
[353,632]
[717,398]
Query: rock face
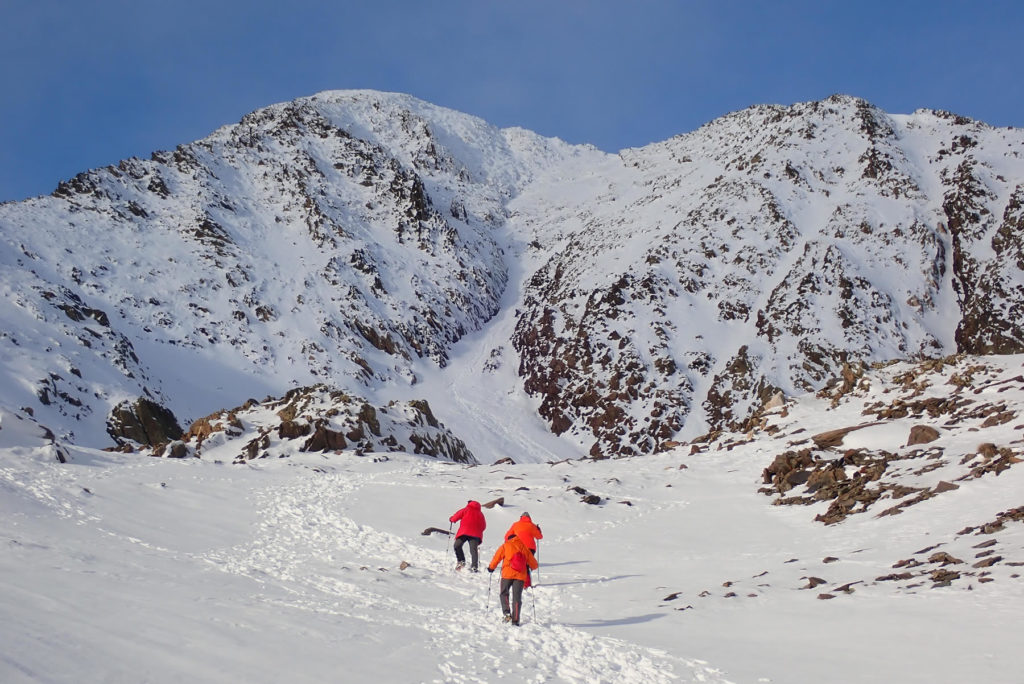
[319,419]
[767,251]
[352,238]
[143,422]
[967,396]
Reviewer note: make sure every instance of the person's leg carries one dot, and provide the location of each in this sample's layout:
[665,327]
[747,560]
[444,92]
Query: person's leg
[517,600]
[474,544]
[506,584]
[460,557]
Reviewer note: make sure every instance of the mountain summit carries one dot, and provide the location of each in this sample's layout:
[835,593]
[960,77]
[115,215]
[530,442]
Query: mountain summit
[398,251]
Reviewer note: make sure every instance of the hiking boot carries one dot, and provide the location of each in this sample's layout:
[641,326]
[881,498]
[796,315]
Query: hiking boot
[460,565]
[508,618]
[515,623]
[474,569]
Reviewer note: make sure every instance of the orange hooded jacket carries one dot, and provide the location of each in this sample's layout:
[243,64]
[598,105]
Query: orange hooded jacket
[504,555]
[527,531]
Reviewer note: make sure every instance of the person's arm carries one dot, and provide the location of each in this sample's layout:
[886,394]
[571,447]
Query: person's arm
[457,515]
[530,560]
[539,535]
[497,556]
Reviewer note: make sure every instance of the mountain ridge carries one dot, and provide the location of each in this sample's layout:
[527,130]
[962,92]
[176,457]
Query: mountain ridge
[355,238]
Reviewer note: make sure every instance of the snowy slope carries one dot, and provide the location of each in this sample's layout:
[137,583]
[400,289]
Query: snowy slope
[684,283]
[395,250]
[339,238]
[127,569]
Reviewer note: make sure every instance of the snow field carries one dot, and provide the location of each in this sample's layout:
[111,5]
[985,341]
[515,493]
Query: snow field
[175,571]
[126,569]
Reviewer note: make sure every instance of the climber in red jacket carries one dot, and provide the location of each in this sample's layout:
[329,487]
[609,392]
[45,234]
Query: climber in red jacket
[471,528]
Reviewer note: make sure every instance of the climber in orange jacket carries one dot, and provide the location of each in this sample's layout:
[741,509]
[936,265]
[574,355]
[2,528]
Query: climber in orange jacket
[516,561]
[528,532]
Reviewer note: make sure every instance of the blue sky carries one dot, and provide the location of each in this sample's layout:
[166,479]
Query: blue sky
[85,84]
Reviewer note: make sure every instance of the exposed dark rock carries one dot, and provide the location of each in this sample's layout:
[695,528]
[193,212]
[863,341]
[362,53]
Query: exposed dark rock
[144,422]
[922,434]
[833,438]
[944,558]
[943,577]
[324,439]
[290,429]
[329,420]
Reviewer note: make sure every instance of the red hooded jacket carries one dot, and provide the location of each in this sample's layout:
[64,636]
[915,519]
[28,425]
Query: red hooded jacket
[473,523]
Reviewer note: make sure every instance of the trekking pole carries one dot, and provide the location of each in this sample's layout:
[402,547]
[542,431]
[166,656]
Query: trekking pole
[533,602]
[449,542]
[538,562]
[490,579]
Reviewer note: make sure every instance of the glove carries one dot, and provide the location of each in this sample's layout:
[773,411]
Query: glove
[490,569]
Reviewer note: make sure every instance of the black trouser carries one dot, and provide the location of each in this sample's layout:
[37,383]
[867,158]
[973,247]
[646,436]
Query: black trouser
[474,543]
[516,585]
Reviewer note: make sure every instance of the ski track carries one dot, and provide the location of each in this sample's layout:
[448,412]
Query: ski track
[305,544]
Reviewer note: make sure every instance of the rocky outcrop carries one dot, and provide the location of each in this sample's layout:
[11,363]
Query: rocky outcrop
[142,422]
[962,416]
[922,434]
[320,419]
[961,394]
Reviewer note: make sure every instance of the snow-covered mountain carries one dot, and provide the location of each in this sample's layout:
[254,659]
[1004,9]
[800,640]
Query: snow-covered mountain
[392,250]
[348,310]
[687,282]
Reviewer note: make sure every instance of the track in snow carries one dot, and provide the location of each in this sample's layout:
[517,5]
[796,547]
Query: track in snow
[328,563]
